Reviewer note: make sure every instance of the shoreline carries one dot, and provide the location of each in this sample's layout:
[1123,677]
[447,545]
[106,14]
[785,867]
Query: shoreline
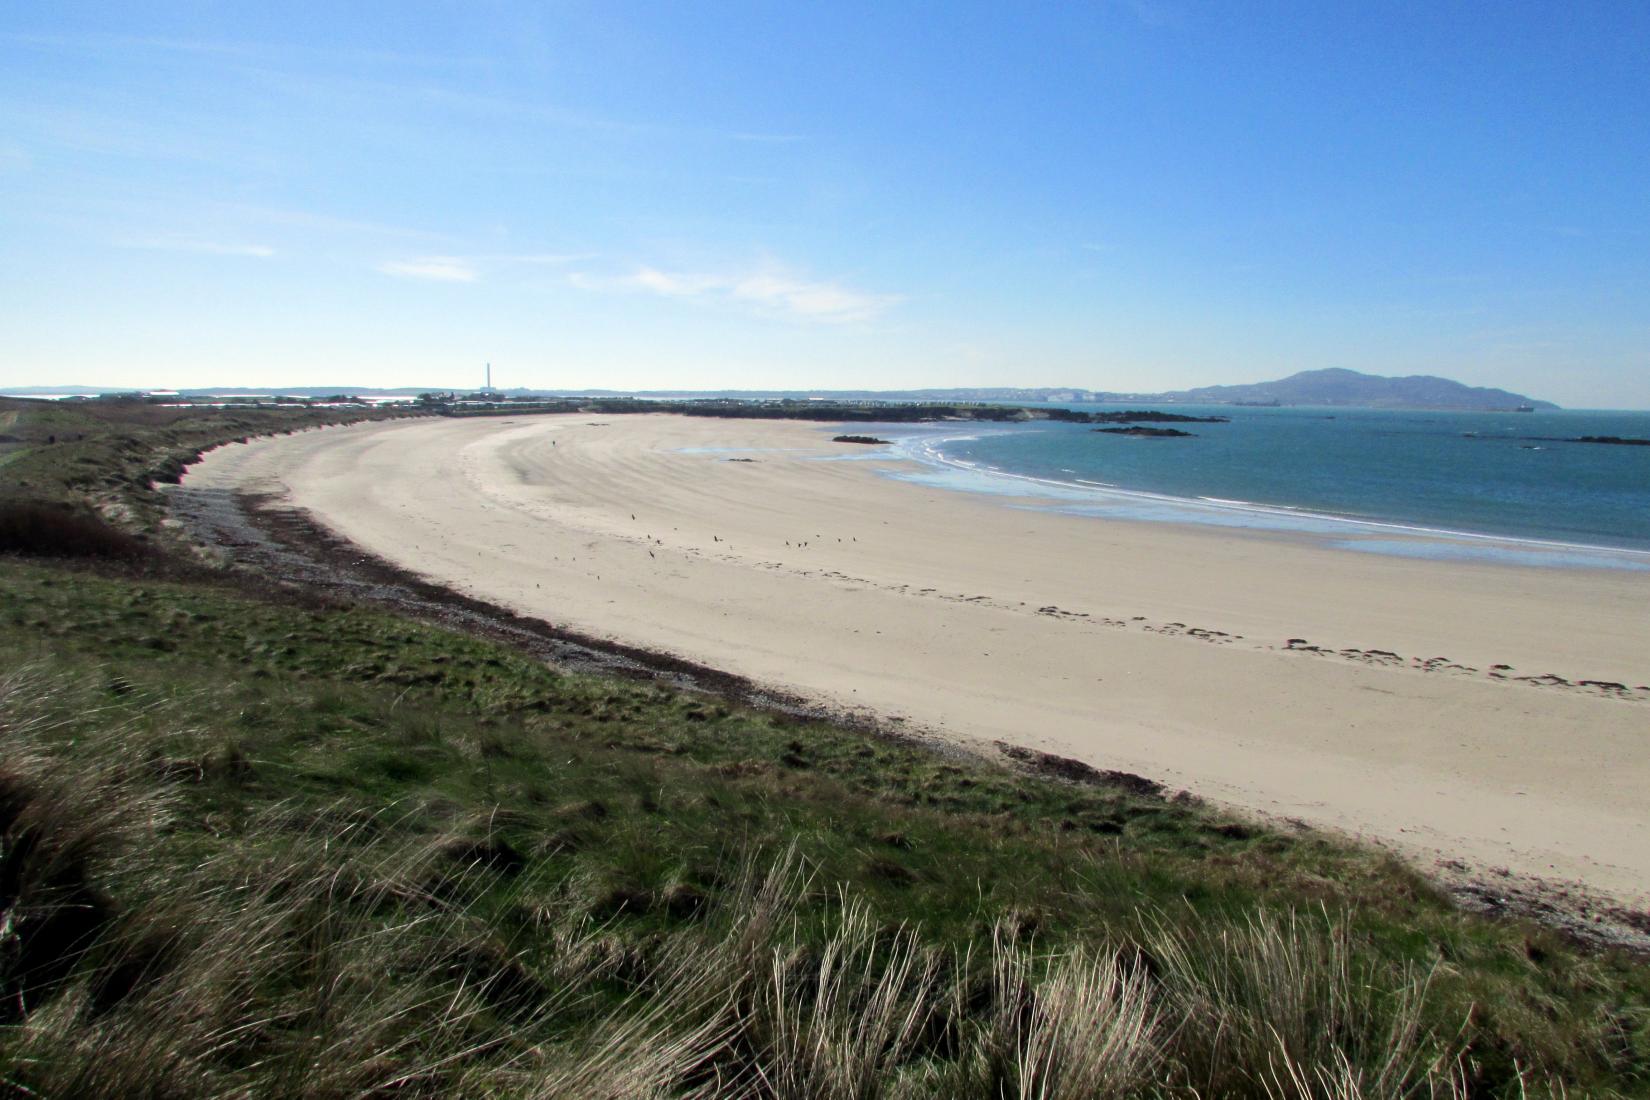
[1102,500]
[287,546]
[1150,727]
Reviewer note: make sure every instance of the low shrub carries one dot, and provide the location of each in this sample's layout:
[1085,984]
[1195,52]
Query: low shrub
[40,530]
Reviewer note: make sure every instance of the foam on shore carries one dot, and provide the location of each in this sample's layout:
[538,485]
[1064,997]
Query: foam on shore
[1080,497]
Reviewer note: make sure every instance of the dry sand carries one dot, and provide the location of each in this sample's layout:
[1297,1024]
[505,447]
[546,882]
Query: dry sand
[933,607]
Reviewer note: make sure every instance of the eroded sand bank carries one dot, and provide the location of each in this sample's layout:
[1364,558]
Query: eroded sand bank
[1149,648]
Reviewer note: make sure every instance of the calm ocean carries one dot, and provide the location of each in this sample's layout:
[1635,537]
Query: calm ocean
[1436,484]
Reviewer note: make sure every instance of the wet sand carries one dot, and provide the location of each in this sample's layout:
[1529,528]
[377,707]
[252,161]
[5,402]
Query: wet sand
[1346,690]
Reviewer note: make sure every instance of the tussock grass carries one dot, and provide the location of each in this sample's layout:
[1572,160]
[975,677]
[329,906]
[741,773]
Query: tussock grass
[1285,998]
[319,851]
[1092,1027]
[343,968]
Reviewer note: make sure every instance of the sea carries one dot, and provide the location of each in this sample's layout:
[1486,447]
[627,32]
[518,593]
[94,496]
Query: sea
[1489,486]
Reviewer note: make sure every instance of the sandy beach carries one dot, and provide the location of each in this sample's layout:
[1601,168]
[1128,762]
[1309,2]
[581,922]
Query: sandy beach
[1151,648]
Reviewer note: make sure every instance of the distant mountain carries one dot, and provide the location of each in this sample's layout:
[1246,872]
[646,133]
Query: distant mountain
[1335,386]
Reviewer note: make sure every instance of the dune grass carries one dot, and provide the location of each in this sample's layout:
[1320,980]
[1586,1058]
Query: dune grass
[103,457]
[278,847]
[256,843]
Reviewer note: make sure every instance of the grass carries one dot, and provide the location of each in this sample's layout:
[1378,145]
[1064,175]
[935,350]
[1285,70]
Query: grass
[104,456]
[470,857]
[259,843]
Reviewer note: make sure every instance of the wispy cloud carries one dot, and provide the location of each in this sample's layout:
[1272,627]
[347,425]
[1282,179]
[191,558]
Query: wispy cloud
[231,49]
[392,78]
[443,269]
[536,258]
[469,269]
[190,244]
[764,139]
[772,291]
[817,300]
[326,223]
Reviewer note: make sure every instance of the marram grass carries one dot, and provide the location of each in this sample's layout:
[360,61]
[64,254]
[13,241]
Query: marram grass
[264,849]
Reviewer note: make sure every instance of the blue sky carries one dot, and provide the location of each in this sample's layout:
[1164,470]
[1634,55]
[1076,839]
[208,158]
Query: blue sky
[1129,196]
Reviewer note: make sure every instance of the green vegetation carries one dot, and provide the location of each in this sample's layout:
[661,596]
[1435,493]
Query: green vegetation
[258,843]
[106,454]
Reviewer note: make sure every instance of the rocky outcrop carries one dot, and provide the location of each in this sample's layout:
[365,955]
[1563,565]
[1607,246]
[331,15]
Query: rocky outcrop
[1149,433]
[1151,416]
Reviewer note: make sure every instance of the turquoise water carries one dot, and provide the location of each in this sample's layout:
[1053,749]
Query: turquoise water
[1436,484]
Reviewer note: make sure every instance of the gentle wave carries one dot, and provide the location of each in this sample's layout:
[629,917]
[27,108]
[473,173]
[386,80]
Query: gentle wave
[1106,498]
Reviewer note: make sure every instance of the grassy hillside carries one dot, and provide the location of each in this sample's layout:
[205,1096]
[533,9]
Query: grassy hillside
[253,843]
[106,454]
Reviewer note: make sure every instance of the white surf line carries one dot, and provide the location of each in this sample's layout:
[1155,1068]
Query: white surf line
[926,451]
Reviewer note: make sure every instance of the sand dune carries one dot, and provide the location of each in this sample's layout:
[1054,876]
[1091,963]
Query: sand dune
[1150,648]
